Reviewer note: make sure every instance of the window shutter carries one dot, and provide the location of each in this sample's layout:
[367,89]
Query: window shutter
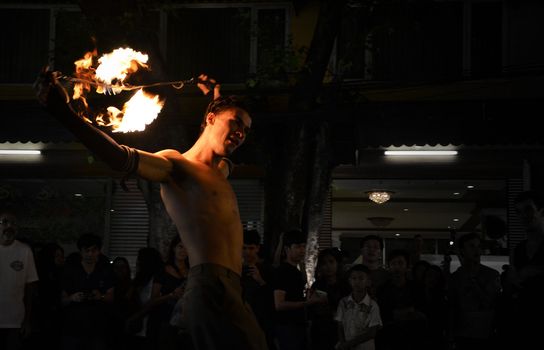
[515,229]
[325,229]
[250,194]
[129,222]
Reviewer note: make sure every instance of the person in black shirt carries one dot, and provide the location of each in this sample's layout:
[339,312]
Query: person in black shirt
[289,294]
[256,285]
[87,295]
[329,280]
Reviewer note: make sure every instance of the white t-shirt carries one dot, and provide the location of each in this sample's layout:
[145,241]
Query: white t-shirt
[356,317]
[17,268]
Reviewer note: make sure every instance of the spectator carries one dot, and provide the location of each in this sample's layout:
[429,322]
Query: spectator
[358,314]
[121,302]
[404,324]
[289,299]
[48,308]
[87,295]
[18,273]
[168,288]
[473,294]
[257,285]
[523,280]
[330,282]
[149,263]
[372,257]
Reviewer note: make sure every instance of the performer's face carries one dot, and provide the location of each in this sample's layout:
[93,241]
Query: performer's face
[229,129]
[8,228]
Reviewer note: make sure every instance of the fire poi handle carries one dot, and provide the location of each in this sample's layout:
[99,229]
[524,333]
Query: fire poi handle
[179,84]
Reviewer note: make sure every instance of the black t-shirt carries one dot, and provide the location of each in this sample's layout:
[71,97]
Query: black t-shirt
[293,282]
[87,317]
[260,298]
[168,284]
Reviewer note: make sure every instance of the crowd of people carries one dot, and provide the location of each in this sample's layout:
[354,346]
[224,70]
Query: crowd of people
[89,301]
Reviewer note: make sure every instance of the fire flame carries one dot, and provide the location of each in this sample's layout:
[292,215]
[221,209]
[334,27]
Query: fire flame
[113,68]
[137,113]
[84,70]
[117,65]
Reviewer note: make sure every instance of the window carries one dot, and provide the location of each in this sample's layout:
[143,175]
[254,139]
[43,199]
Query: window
[221,40]
[214,41]
[24,35]
[418,41]
[272,57]
[73,38]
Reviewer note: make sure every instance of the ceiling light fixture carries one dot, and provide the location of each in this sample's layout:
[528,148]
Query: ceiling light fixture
[420,153]
[379,196]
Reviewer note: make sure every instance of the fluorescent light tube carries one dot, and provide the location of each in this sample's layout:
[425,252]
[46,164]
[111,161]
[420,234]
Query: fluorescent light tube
[420,153]
[19,152]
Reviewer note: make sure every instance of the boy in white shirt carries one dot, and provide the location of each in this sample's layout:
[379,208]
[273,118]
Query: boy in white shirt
[358,315]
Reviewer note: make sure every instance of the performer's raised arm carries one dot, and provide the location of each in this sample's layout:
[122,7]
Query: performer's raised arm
[150,166]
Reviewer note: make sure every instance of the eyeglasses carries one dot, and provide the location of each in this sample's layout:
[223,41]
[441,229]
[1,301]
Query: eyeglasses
[6,222]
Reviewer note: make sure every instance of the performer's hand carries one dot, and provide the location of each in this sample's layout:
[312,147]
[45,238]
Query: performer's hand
[48,89]
[205,84]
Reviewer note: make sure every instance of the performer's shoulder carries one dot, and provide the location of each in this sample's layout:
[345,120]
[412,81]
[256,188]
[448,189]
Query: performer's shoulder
[170,153]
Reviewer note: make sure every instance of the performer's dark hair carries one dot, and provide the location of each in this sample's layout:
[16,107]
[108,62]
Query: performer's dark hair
[220,104]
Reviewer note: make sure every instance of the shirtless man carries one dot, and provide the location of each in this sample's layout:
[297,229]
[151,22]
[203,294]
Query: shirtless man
[201,203]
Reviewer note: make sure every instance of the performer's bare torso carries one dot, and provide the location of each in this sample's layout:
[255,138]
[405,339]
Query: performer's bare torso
[203,206]
[197,194]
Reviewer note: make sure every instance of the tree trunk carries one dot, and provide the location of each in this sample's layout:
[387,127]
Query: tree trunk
[318,189]
[298,171]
